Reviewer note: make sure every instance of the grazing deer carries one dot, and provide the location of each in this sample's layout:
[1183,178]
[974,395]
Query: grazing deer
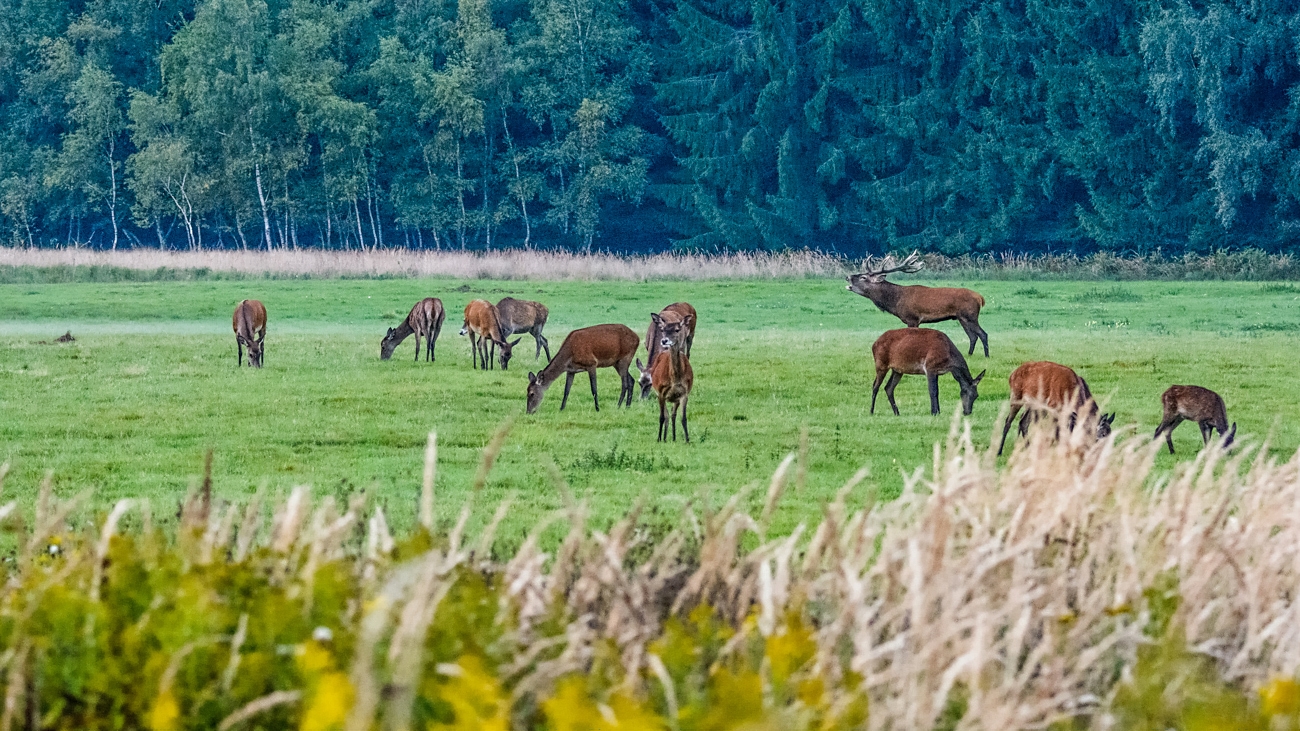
[676,312]
[1040,387]
[598,346]
[523,316]
[1193,403]
[916,305]
[916,351]
[671,373]
[484,327]
[424,320]
[249,319]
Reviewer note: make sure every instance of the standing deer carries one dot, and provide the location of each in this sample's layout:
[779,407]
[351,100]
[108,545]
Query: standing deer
[916,305]
[249,319]
[1041,387]
[671,373]
[676,312]
[483,327]
[424,320]
[1193,403]
[598,346]
[916,351]
[524,316]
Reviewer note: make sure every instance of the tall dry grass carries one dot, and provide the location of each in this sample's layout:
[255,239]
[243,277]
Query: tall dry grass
[504,264]
[983,598]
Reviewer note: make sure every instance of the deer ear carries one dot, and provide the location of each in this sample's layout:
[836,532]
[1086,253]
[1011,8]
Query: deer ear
[981,375]
[1109,418]
[656,319]
[686,321]
[516,342]
[532,377]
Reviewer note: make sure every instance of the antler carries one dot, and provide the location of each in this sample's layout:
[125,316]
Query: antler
[910,265]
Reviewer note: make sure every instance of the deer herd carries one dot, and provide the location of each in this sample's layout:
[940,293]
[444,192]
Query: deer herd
[1040,389]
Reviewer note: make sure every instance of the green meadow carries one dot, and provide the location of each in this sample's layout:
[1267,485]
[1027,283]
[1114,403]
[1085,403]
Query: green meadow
[150,384]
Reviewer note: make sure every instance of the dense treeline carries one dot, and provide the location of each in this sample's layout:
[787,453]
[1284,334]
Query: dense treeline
[947,125]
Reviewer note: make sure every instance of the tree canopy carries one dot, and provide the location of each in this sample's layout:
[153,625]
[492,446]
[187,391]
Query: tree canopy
[634,125]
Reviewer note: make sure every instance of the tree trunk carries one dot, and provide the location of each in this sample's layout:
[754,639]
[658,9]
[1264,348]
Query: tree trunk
[460,194]
[356,212]
[266,218]
[112,191]
[519,183]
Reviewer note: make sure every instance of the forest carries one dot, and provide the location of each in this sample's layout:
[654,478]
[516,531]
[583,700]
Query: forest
[850,126]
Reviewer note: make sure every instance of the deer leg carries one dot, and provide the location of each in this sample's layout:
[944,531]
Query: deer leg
[624,384]
[933,378]
[970,333]
[674,421]
[417,347]
[685,434]
[1011,417]
[984,338]
[491,354]
[591,373]
[894,378]
[1205,432]
[663,417]
[473,350]
[568,383]
[239,358]
[875,387]
[1167,426]
[545,346]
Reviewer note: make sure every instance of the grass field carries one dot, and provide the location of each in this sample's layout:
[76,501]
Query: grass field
[151,383]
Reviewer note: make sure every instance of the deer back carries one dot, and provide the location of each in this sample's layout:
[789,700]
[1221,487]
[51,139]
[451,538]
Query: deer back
[1049,384]
[249,318]
[481,317]
[916,350]
[598,346]
[1195,403]
[517,316]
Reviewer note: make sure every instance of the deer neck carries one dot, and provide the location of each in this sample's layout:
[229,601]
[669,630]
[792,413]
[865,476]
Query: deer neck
[552,370]
[403,330]
[676,362]
[885,294]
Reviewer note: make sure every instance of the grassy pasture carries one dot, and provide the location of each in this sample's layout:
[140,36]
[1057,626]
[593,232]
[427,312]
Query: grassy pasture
[150,383]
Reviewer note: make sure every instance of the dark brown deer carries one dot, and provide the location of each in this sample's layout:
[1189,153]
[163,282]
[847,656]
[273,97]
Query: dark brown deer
[1043,387]
[524,316]
[598,346]
[916,305]
[671,373]
[484,327]
[676,312]
[1193,403]
[424,321]
[249,320]
[918,351]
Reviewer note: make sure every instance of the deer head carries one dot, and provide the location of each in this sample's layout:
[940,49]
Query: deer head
[507,350]
[970,392]
[535,392]
[388,344]
[254,352]
[645,381]
[874,271]
[671,334]
[1103,425]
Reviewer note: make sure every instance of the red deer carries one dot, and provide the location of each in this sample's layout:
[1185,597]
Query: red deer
[598,346]
[917,351]
[523,316]
[676,312]
[483,327]
[916,305]
[1043,386]
[425,320]
[670,372]
[1193,403]
[249,320]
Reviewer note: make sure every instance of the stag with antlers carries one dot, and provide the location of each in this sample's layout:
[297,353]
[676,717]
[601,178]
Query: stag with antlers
[915,304]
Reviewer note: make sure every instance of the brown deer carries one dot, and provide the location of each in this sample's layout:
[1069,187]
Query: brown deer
[249,320]
[676,312]
[917,351]
[524,316]
[916,305]
[1042,387]
[598,346]
[424,320]
[1193,403]
[671,372]
[483,327]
